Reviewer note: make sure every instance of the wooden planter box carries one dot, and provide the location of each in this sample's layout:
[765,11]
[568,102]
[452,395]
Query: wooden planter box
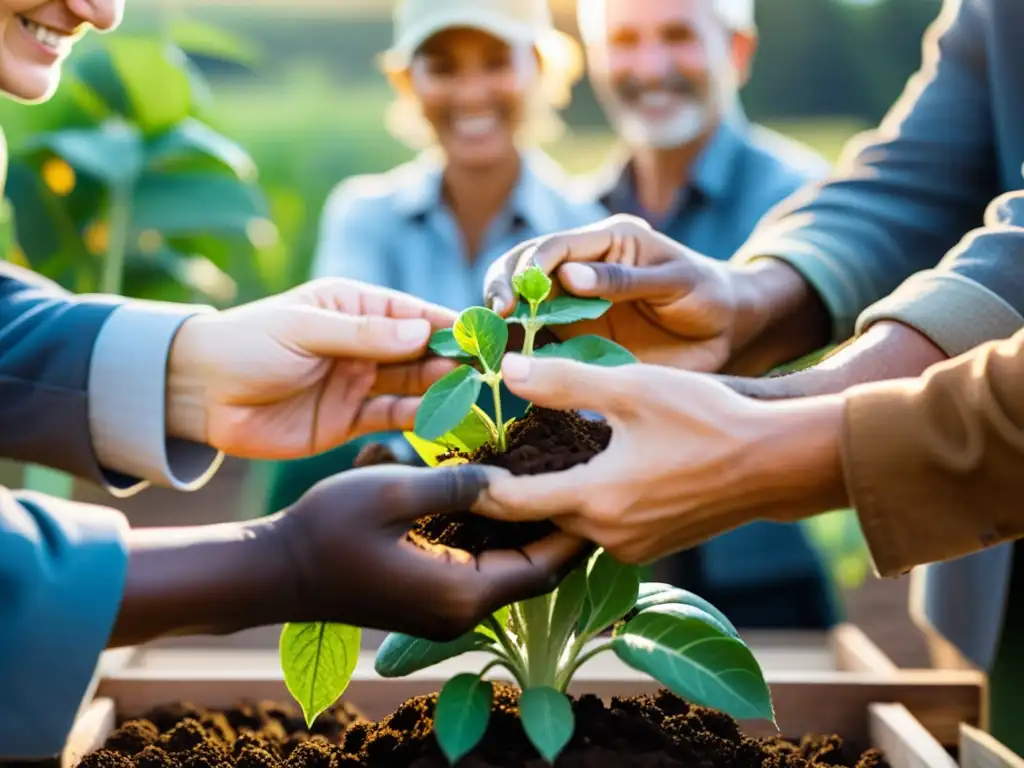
[837,682]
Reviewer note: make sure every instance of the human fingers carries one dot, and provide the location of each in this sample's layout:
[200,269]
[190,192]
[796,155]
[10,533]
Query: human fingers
[569,385]
[326,333]
[498,292]
[615,282]
[410,379]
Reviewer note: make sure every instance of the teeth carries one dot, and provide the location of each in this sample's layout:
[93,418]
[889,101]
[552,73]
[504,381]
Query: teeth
[656,99]
[52,40]
[478,125]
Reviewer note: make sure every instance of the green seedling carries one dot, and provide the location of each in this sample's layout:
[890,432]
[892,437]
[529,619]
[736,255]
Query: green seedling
[449,418]
[676,637]
[672,635]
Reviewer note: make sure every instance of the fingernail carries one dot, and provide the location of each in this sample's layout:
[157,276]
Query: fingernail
[497,306]
[579,276]
[515,367]
[413,330]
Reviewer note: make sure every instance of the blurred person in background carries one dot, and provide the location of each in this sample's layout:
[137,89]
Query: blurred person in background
[668,74]
[477,86]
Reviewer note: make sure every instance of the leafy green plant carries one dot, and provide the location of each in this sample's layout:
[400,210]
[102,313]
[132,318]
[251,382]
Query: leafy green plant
[673,635]
[449,417]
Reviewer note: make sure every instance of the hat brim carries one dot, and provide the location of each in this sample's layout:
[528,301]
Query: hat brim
[561,56]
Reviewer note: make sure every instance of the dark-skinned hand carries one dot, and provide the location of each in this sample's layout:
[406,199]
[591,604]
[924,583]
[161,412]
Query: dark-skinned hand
[339,554]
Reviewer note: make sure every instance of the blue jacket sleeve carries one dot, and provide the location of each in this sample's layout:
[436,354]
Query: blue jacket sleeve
[352,233]
[62,573]
[903,195]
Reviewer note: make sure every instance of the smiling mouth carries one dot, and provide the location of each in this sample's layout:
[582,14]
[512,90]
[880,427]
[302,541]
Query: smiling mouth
[49,38]
[476,126]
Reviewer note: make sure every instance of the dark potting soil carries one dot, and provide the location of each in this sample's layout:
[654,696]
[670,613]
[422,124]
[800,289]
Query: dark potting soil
[543,441]
[642,732]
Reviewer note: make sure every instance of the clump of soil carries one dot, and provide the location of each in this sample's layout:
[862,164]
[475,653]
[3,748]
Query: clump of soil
[661,731]
[543,441]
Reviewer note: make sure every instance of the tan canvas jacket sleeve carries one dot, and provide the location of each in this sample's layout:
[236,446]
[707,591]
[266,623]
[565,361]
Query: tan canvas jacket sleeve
[935,466]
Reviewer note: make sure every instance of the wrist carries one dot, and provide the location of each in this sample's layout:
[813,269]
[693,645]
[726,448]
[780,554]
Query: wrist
[801,469]
[187,383]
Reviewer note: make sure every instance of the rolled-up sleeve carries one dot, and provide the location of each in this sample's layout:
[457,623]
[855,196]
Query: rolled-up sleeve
[904,195]
[127,403]
[975,294]
[62,575]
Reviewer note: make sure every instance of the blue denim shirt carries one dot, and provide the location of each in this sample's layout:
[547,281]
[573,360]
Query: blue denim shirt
[744,171]
[394,229]
[762,574]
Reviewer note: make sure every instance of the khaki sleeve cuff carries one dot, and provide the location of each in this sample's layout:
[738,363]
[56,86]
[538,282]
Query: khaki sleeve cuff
[127,403]
[955,312]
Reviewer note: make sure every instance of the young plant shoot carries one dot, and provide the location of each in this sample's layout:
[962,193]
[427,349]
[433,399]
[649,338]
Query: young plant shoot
[449,418]
[676,637]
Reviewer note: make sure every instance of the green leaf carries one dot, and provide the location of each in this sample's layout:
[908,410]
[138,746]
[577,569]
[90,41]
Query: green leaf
[471,433]
[593,350]
[567,608]
[502,617]
[612,589]
[400,655]
[653,594]
[155,77]
[189,203]
[447,402]
[692,654]
[111,153]
[564,310]
[318,661]
[533,285]
[461,715]
[443,344]
[96,78]
[548,720]
[483,334]
[196,38]
[191,145]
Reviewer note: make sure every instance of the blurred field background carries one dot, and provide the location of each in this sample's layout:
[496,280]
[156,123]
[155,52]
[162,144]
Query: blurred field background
[294,84]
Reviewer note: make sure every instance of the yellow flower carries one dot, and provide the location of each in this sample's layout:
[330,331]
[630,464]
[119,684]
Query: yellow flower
[58,176]
[97,238]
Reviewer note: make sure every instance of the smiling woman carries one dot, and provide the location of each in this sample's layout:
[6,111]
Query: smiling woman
[35,37]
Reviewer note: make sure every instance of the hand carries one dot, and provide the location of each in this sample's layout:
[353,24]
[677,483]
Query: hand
[688,459]
[353,564]
[673,306]
[340,554]
[299,373]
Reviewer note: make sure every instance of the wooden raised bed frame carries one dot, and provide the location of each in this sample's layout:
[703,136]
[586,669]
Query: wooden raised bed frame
[837,682]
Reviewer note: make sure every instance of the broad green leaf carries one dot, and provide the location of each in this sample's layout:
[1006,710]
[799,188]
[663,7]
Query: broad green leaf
[692,654]
[443,344]
[461,715]
[593,350]
[471,433]
[612,589]
[196,38]
[533,285]
[189,203]
[111,153]
[428,450]
[502,617]
[548,719]
[318,660]
[155,77]
[564,310]
[191,145]
[400,655]
[483,334]
[653,594]
[447,402]
[94,73]
[566,609]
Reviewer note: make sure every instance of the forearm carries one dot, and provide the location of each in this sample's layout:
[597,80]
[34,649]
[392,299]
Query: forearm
[885,351]
[215,579]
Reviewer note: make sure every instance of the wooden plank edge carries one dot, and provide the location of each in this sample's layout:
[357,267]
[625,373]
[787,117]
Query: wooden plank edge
[905,742]
[856,652]
[981,750]
[90,730]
